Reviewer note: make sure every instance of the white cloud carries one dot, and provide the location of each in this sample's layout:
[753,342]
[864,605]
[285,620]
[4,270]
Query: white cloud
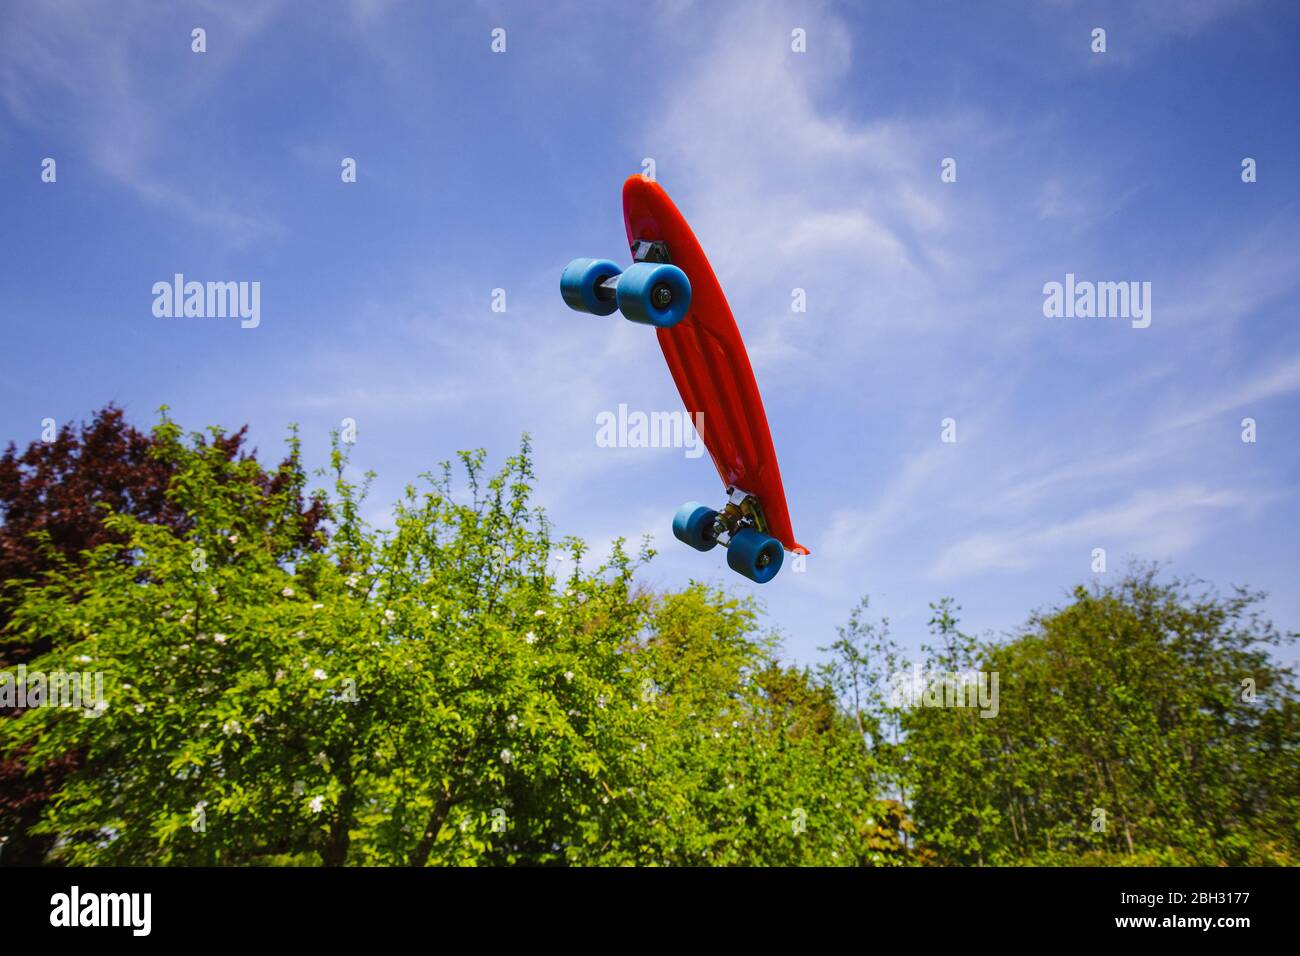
[1281,378]
[1155,523]
[106,81]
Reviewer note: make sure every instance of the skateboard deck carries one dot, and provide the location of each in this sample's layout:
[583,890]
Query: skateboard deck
[709,364]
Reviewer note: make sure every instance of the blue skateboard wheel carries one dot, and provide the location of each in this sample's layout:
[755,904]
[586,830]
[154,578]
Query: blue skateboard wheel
[578,284]
[755,555]
[654,293]
[693,525]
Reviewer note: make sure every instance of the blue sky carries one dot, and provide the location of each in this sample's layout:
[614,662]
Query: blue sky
[816,170]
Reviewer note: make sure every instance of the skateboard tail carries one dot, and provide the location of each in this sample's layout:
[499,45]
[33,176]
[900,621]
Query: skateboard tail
[730,431]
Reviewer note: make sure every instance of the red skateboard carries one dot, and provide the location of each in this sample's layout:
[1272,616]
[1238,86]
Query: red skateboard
[671,286]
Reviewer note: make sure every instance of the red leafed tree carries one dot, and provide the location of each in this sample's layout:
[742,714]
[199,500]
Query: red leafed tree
[60,488]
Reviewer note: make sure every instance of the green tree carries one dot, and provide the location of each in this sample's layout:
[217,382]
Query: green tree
[458,689]
[54,497]
[1147,721]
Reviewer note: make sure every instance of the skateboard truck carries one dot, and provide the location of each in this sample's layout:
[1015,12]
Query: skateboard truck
[741,527]
[646,250]
[643,250]
[742,510]
[651,290]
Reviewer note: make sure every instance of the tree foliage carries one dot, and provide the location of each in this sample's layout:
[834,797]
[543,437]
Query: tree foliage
[458,689]
[1145,722]
[54,498]
[286,684]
